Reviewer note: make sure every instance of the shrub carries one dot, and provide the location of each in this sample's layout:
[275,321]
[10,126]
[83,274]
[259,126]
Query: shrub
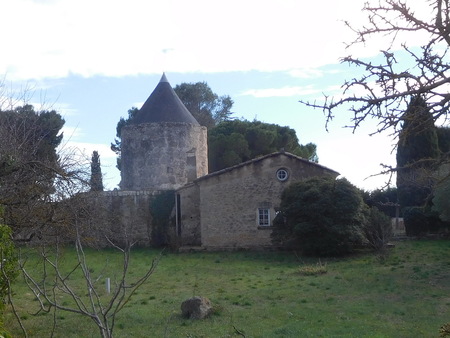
[320,216]
[385,200]
[415,220]
[8,261]
[441,200]
[161,208]
[421,220]
[8,271]
[377,229]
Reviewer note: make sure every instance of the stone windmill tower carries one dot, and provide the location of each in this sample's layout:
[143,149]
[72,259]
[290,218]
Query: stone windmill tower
[165,147]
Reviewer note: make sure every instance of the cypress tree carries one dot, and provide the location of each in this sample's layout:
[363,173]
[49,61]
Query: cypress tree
[417,152]
[96,173]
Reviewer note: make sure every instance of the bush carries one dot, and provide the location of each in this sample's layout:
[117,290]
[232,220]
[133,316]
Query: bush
[161,208]
[441,200]
[377,229]
[8,271]
[320,216]
[385,200]
[420,221]
[8,261]
[415,221]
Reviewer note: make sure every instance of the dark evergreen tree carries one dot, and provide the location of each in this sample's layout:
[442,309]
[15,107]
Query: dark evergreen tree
[443,135]
[96,182]
[384,200]
[28,157]
[233,142]
[417,152]
[29,164]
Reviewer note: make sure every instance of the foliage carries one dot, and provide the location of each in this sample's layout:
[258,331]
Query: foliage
[383,199]
[117,145]
[28,150]
[418,141]
[8,270]
[421,220]
[357,297]
[385,87]
[96,181]
[30,166]
[377,229]
[161,208]
[8,262]
[443,135]
[441,200]
[206,106]
[417,152]
[441,193]
[236,141]
[320,216]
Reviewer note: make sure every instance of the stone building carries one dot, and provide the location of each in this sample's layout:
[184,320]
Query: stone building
[164,148]
[164,151]
[235,207]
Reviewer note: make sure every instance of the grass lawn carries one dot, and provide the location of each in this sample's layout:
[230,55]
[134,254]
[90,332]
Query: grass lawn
[265,295]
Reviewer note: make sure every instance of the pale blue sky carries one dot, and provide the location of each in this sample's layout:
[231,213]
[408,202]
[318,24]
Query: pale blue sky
[94,59]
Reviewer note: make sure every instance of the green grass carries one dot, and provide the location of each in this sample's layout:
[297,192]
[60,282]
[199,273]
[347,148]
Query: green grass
[406,294]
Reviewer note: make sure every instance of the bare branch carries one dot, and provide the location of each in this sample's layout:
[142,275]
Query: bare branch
[384,88]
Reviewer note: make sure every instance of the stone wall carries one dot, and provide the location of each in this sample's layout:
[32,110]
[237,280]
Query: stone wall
[162,156]
[121,216]
[188,223]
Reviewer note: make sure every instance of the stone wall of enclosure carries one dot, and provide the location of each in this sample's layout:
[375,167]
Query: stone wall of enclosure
[119,217]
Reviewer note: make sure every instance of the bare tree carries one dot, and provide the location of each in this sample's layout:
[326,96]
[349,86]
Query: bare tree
[69,211]
[44,192]
[53,285]
[385,88]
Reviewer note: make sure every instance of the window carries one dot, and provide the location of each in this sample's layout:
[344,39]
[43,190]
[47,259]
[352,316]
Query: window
[264,217]
[282,174]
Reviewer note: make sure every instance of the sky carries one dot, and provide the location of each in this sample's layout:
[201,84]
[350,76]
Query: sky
[92,60]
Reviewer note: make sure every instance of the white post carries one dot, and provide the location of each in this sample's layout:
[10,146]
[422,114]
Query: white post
[108,285]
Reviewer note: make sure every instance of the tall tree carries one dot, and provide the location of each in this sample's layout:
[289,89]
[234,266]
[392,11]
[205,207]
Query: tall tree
[208,108]
[35,176]
[417,152]
[96,181]
[418,141]
[29,163]
[236,141]
[383,90]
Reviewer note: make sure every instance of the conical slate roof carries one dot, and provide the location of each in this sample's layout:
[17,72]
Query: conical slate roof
[164,105]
